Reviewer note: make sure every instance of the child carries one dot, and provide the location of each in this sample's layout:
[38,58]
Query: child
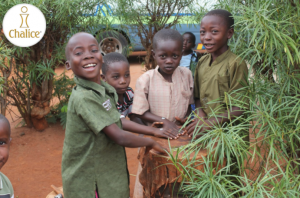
[93,154]
[6,189]
[189,57]
[115,71]
[218,72]
[165,92]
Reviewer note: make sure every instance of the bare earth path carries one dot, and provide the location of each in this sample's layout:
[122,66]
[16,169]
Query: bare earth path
[35,157]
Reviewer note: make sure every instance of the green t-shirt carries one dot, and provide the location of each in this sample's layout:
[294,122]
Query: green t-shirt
[6,189]
[226,74]
[90,158]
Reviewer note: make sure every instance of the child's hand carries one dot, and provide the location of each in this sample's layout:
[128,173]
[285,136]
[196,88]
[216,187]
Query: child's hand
[171,127]
[180,121]
[191,127]
[162,133]
[157,147]
[157,124]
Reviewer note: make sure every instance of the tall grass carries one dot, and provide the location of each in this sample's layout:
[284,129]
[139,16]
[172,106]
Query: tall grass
[268,165]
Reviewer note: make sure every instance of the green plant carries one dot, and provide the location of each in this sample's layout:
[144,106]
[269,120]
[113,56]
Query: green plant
[267,38]
[63,86]
[31,87]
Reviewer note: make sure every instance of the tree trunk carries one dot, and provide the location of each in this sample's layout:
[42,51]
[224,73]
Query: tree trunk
[41,95]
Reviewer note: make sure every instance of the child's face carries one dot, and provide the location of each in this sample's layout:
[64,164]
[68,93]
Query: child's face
[118,76]
[85,59]
[4,142]
[214,34]
[167,55]
[188,43]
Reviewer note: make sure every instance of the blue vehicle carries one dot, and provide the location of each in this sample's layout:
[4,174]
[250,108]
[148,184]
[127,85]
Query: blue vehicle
[119,37]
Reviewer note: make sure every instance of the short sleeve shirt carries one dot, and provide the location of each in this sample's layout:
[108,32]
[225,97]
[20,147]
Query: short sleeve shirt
[125,108]
[90,158]
[6,189]
[162,98]
[226,74]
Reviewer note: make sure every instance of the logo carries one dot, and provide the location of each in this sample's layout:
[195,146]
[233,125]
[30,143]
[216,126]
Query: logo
[24,25]
[107,105]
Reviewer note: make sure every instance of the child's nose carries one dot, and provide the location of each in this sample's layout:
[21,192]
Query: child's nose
[122,81]
[169,60]
[207,36]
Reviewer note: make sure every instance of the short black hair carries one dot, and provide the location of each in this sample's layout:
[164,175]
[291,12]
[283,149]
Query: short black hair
[67,53]
[167,34]
[3,119]
[224,14]
[112,58]
[193,37]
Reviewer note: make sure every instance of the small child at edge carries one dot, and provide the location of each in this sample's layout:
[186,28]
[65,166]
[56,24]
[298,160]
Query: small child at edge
[94,159]
[6,189]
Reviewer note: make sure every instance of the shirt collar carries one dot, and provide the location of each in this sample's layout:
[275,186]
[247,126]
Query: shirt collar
[159,74]
[221,57]
[95,86]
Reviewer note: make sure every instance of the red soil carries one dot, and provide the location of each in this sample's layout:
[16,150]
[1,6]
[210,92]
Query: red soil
[35,157]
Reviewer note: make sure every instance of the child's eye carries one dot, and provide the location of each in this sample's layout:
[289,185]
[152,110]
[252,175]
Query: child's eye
[95,51]
[175,56]
[127,75]
[214,31]
[78,53]
[2,143]
[162,56]
[202,32]
[115,77]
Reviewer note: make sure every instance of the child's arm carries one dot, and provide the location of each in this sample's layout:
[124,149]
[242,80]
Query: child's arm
[142,129]
[207,124]
[127,139]
[167,124]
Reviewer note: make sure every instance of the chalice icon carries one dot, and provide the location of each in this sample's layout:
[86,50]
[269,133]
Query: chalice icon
[24,9]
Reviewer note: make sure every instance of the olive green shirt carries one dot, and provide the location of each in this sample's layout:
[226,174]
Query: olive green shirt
[90,158]
[225,74]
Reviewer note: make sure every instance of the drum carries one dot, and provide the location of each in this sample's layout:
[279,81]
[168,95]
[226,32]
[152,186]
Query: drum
[159,175]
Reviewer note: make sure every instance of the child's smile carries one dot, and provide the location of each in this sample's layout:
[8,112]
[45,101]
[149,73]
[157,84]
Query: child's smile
[214,34]
[85,59]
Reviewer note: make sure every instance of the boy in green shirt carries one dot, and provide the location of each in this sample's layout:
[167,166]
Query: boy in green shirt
[218,72]
[94,157]
[6,189]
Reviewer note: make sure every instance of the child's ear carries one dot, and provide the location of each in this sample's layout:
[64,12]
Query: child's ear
[103,77]
[230,33]
[153,53]
[67,64]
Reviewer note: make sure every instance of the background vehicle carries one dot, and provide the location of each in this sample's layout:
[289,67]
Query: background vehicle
[117,37]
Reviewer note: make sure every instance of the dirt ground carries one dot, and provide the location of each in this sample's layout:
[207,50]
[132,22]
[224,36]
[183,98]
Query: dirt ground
[35,157]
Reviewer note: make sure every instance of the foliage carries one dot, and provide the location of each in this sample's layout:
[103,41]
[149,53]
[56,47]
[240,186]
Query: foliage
[30,89]
[150,16]
[5,68]
[63,86]
[267,38]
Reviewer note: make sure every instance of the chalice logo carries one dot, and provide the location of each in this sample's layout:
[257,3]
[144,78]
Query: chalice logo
[24,9]
[24,25]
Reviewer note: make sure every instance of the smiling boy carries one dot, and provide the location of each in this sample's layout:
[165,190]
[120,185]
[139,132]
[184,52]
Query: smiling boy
[218,72]
[166,92]
[6,189]
[94,157]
